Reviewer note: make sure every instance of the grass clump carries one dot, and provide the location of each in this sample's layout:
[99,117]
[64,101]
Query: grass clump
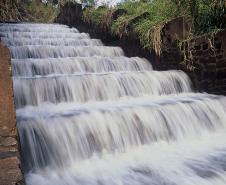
[139,19]
[9,10]
[40,12]
[208,15]
[160,11]
[143,19]
[100,17]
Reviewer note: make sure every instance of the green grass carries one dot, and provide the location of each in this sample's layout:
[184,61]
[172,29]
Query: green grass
[159,11]
[11,10]
[40,12]
[208,17]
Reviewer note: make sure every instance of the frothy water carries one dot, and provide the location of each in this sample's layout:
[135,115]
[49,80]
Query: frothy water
[31,51]
[96,86]
[44,35]
[97,64]
[88,115]
[52,42]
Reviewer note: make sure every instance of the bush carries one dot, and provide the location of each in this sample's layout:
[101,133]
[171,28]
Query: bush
[32,11]
[140,18]
[40,12]
[208,15]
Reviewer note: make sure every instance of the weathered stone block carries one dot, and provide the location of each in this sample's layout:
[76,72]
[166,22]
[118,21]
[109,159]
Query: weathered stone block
[204,84]
[197,47]
[221,73]
[211,66]
[221,60]
[205,46]
[8,141]
[209,53]
[203,60]
[220,56]
[217,45]
[9,173]
[219,82]
[221,64]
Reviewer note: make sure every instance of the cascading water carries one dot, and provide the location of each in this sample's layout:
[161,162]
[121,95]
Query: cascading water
[88,115]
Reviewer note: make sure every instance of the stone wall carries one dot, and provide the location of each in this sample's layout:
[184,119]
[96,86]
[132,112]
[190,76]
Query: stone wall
[205,62]
[10,173]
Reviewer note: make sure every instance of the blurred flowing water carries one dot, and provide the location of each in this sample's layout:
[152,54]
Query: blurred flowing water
[88,115]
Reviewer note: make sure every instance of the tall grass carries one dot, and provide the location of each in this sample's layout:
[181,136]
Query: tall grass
[208,15]
[40,12]
[158,11]
[11,10]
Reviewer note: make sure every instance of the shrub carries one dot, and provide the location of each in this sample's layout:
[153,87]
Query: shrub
[143,17]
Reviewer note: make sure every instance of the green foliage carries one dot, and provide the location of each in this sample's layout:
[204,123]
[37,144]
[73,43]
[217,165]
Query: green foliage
[207,15]
[32,11]
[39,12]
[211,16]
[97,16]
[158,11]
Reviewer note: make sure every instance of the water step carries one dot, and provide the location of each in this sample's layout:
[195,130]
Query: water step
[34,25]
[36,30]
[24,52]
[115,126]
[194,161]
[97,86]
[44,35]
[46,66]
[48,110]
[51,42]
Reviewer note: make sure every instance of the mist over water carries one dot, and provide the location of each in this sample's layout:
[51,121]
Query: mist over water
[88,115]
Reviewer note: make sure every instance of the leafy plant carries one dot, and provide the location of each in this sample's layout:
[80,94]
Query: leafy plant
[207,15]
[40,12]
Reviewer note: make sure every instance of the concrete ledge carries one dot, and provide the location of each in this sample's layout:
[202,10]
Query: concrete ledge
[10,172]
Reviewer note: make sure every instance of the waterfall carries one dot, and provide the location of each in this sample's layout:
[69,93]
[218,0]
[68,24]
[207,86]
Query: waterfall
[88,115]
[96,86]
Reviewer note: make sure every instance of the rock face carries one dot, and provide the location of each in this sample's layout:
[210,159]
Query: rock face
[10,172]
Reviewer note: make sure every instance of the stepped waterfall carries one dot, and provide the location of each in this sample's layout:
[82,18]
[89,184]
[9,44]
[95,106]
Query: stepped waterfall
[89,115]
